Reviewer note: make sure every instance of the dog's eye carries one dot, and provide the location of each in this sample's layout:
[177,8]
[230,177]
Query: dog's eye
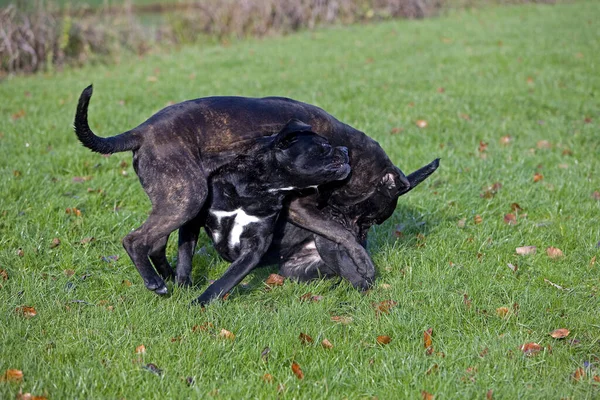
[325,147]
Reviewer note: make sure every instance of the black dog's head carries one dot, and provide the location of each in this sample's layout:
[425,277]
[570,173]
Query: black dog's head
[305,159]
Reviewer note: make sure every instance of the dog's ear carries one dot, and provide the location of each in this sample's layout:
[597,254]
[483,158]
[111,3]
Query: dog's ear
[393,183]
[289,133]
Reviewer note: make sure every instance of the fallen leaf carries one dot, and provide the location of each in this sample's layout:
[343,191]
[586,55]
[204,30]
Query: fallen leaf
[310,297]
[441,89]
[489,395]
[421,123]
[544,144]
[554,252]
[426,395]
[384,306]
[18,115]
[395,131]
[560,333]
[531,348]
[110,259]
[477,219]
[461,222]
[152,79]
[434,368]
[225,334]
[592,262]
[326,344]
[505,140]
[427,341]
[596,195]
[297,370]
[13,375]
[75,211]
[342,319]
[484,352]
[153,368]
[305,339]
[29,396]
[20,252]
[502,312]
[26,311]
[578,374]
[126,282]
[81,179]
[3,274]
[466,301]
[553,284]
[264,355]
[267,378]
[69,272]
[510,219]
[55,243]
[466,117]
[141,349]
[385,286]
[587,120]
[526,250]
[482,146]
[596,378]
[383,339]
[537,177]
[563,166]
[516,207]
[275,280]
[87,240]
[512,267]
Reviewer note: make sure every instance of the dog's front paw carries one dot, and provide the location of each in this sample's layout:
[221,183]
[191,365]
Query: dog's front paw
[184,282]
[204,299]
[157,285]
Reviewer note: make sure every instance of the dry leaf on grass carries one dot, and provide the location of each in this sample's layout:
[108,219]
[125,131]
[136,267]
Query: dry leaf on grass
[477,219]
[26,311]
[225,334]
[428,341]
[13,375]
[537,177]
[554,252]
[560,333]
[141,349]
[526,250]
[326,344]
[3,274]
[268,378]
[512,267]
[510,219]
[578,374]
[384,339]
[305,339]
[421,123]
[531,348]
[384,306]
[297,370]
[275,280]
[502,312]
[55,243]
[29,396]
[342,319]
[426,395]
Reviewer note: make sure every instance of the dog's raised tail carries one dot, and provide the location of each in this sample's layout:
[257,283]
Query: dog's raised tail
[126,141]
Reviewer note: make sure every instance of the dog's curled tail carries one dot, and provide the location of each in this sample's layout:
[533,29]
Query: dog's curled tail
[126,141]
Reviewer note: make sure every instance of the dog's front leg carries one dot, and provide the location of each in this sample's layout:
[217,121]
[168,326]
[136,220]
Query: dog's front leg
[337,258]
[309,217]
[237,271]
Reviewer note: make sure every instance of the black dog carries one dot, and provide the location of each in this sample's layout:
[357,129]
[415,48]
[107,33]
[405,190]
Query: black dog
[179,147]
[247,195]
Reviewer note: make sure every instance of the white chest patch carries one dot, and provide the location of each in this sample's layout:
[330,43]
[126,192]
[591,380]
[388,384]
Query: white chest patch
[240,222]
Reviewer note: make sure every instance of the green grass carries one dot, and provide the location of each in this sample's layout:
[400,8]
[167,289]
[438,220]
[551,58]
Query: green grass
[530,72]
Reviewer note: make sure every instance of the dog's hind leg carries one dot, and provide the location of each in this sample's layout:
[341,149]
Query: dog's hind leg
[158,256]
[188,237]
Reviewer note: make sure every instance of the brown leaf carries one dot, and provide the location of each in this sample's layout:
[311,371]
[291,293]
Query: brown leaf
[326,344]
[489,395]
[466,117]
[427,340]
[502,312]
[81,179]
[515,207]
[596,195]
[592,262]
[3,274]
[537,177]
[384,306]
[152,78]
[55,243]
[29,396]
[20,252]
[305,339]
[505,140]
[75,211]
[275,280]
[560,333]
[126,282]
[342,319]
[87,240]
[578,374]
[13,375]
[310,297]
[225,334]
[526,250]
[466,301]
[383,339]
[531,348]
[268,378]
[297,370]
[26,311]
[596,378]
[544,144]
[426,395]
[395,131]
[421,123]
[477,219]
[461,222]
[510,219]
[18,115]
[554,252]
[512,267]
[141,349]
[482,146]
[69,272]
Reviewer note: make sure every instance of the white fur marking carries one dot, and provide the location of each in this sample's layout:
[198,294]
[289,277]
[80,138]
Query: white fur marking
[240,222]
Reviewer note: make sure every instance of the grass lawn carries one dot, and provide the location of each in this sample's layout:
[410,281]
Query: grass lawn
[507,93]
